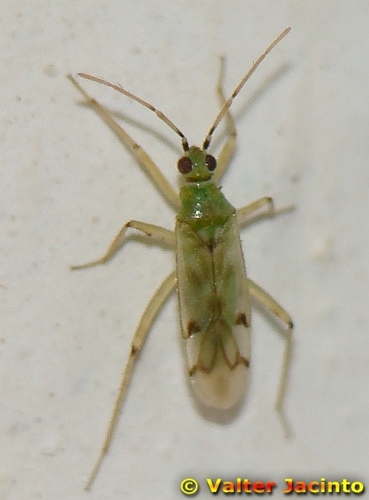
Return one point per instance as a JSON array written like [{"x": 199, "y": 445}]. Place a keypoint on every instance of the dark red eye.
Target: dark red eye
[
  {"x": 211, "y": 163},
  {"x": 184, "y": 165}
]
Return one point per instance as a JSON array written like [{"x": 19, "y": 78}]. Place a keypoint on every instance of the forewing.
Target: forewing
[
  {"x": 215, "y": 313},
  {"x": 194, "y": 280}
]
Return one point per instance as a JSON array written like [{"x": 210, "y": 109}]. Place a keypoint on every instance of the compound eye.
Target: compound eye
[
  {"x": 184, "y": 165},
  {"x": 211, "y": 163}
]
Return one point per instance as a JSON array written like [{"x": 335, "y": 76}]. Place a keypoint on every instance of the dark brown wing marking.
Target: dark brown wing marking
[{"x": 241, "y": 320}]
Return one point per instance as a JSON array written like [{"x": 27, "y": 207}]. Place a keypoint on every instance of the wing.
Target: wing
[{"x": 215, "y": 313}]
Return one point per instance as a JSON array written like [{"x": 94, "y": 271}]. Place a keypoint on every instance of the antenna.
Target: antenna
[
  {"x": 228, "y": 103},
  {"x": 158, "y": 113},
  {"x": 166, "y": 120}
]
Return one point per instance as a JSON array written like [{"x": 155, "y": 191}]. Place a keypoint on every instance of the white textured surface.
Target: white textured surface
[{"x": 67, "y": 186}]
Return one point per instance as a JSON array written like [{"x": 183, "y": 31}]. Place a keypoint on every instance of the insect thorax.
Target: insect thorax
[{"x": 204, "y": 208}]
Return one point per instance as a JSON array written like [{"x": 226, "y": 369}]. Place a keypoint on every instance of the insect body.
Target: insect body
[
  {"x": 213, "y": 289},
  {"x": 212, "y": 285}
]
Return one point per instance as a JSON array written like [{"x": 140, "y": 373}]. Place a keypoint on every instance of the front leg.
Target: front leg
[
  {"x": 230, "y": 145},
  {"x": 148, "y": 165}
]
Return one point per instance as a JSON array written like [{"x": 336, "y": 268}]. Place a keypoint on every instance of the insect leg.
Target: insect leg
[
  {"x": 280, "y": 314},
  {"x": 139, "y": 338},
  {"x": 254, "y": 211},
  {"x": 138, "y": 152},
  {"x": 228, "y": 149},
  {"x": 158, "y": 233}
]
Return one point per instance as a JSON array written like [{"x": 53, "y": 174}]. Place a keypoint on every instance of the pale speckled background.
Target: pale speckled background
[{"x": 67, "y": 186}]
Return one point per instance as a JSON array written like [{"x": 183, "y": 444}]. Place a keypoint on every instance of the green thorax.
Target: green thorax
[{"x": 204, "y": 209}]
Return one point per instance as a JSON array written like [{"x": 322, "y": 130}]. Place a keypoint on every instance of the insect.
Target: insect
[{"x": 213, "y": 289}]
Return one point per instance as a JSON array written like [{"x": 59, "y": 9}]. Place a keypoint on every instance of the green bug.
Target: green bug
[{"x": 213, "y": 289}]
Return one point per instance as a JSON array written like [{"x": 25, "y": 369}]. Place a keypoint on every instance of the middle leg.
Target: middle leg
[
  {"x": 258, "y": 209},
  {"x": 159, "y": 234}
]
